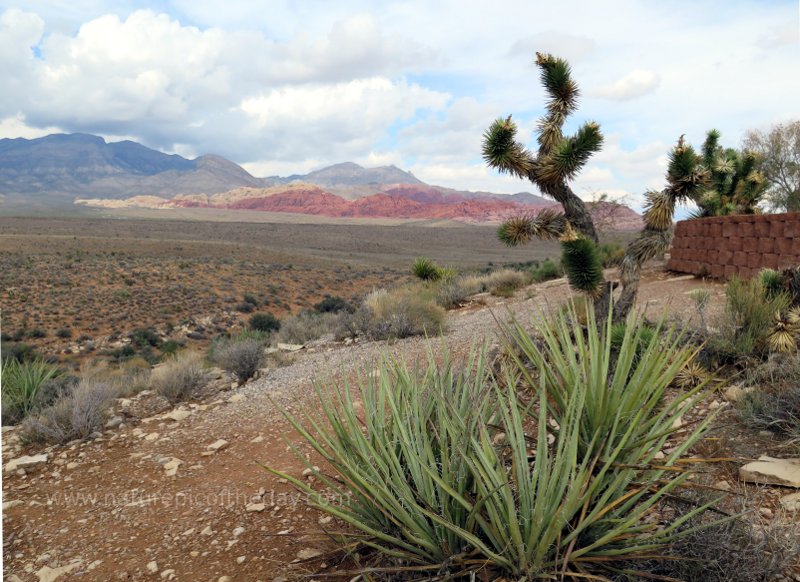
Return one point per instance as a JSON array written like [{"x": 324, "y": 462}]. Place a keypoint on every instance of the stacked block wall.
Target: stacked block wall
[{"x": 722, "y": 246}]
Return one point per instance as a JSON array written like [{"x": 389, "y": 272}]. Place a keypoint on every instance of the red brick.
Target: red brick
[
  {"x": 753, "y": 260},
  {"x": 783, "y": 246},
  {"x": 728, "y": 229},
  {"x": 715, "y": 231},
  {"x": 717, "y": 271},
  {"x": 761, "y": 227},
  {"x": 776, "y": 229},
  {"x": 712, "y": 255},
  {"x": 750, "y": 243},
  {"x": 746, "y": 272},
  {"x": 791, "y": 228},
  {"x": 681, "y": 228},
  {"x": 729, "y": 271},
  {"x": 796, "y": 245},
  {"x": 724, "y": 257},
  {"x": 734, "y": 244},
  {"x": 766, "y": 245},
  {"x": 769, "y": 261},
  {"x": 746, "y": 229},
  {"x": 740, "y": 259},
  {"x": 786, "y": 261}
]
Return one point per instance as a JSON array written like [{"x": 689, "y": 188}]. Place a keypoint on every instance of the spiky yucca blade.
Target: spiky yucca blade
[
  {"x": 648, "y": 245},
  {"x": 782, "y": 337},
  {"x": 503, "y": 152},
  {"x": 659, "y": 208},
  {"x": 547, "y": 225},
  {"x": 582, "y": 265},
  {"x": 685, "y": 173},
  {"x": 710, "y": 147},
  {"x": 571, "y": 154},
  {"x": 691, "y": 375}
]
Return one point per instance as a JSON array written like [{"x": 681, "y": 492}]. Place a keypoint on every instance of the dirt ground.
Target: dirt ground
[{"x": 106, "y": 510}]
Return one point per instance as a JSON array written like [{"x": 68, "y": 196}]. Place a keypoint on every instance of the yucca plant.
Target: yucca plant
[
  {"x": 425, "y": 269},
  {"x": 440, "y": 472},
  {"x": 772, "y": 281},
  {"x": 21, "y": 386},
  {"x": 624, "y": 385}
]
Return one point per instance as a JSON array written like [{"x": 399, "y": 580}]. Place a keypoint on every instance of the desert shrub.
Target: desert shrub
[
  {"x": 451, "y": 293},
  {"x": 505, "y": 280},
  {"x": 73, "y": 416},
  {"x": 265, "y": 322},
  {"x": 333, "y": 304},
  {"x": 547, "y": 271},
  {"x": 772, "y": 282},
  {"x": 728, "y": 551},
  {"x": 64, "y": 333},
  {"x": 425, "y": 269},
  {"x": 37, "y": 333},
  {"x": 169, "y": 347},
  {"x": 473, "y": 284},
  {"x": 179, "y": 378},
  {"x": 21, "y": 386},
  {"x": 245, "y": 307},
  {"x": 446, "y": 481},
  {"x": 251, "y": 299},
  {"x": 775, "y": 408},
  {"x": 398, "y": 314},
  {"x": 242, "y": 356},
  {"x": 144, "y": 337},
  {"x": 307, "y": 326},
  {"x": 747, "y": 320},
  {"x": 19, "y": 351},
  {"x": 611, "y": 254}
]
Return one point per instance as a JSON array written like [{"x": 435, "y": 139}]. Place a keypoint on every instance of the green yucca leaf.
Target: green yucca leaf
[
  {"x": 548, "y": 224},
  {"x": 582, "y": 265},
  {"x": 571, "y": 154},
  {"x": 556, "y": 77}
]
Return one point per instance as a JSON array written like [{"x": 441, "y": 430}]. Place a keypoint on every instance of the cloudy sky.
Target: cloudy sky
[{"x": 288, "y": 86}]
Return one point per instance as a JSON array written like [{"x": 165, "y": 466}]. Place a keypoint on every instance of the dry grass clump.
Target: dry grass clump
[
  {"x": 75, "y": 415},
  {"x": 307, "y": 326},
  {"x": 180, "y": 378},
  {"x": 396, "y": 314},
  {"x": 242, "y": 356},
  {"x": 502, "y": 282}
]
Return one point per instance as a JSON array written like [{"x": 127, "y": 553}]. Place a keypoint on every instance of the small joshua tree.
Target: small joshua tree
[
  {"x": 735, "y": 184},
  {"x": 556, "y": 161}
]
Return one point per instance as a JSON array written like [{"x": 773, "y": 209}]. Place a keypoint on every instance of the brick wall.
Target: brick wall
[{"x": 726, "y": 245}]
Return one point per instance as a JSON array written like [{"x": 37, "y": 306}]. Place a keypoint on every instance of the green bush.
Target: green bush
[
  {"x": 144, "y": 337},
  {"x": 73, "y": 416},
  {"x": 265, "y": 322},
  {"x": 747, "y": 320},
  {"x": 611, "y": 254},
  {"x": 180, "y": 378},
  {"x": 19, "y": 351},
  {"x": 64, "y": 333},
  {"x": 308, "y": 326},
  {"x": 425, "y": 269},
  {"x": 22, "y": 383},
  {"x": 547, "y": 271},
  {"x": 450, "y": 294},
  {"x": 333, "y": 304},
  {"x": 443, "y": 471}
]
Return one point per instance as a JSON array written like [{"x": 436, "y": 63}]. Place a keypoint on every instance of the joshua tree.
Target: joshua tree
[
  {"x": 736, "y": 184},
  {"x": 556, "y": 161}
]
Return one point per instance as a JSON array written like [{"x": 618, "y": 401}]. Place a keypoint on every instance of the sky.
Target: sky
[{"x": 286, "y": 87}]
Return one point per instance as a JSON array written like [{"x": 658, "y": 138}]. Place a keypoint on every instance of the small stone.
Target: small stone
[
  {"x": 224, "y": 578},
  {"x": 48, "y": 574},
  {"x": 736, "y": 393},
  {"x": 290, "y": 347},
  {"x": 791, "y": 502},
  {"x": 714, "y": 404},
  {"x": 240, "y": 559},
  {"x": 152, "y": 567},
  {"x": 177, "y": 415},
  {"x": 659, "y": 456},
  {"x": 255, "y": 507},
  {"x": 237, "y": 398},
  {"x": 207, "y": 531},
  {"x": 766, "y": 512},
  {"x": 151, "y": 437},
  {"x": 722, "y": 485},
  {"x": 308, "y": 553},
  {"x": 217, "y": 445},
  {"x": 25, "y": 462},
  {"x": 325, "y": 519},
  {"x": 11, "y": 504},
  {"x": 171, "y": 467},
  {"x": 72, "y": 465},
  {"x": 238, "y": 531},
  {"x": 310, "y": 471},
  {"x": 258, "y": 439},
  {"x": 168, "y": 574},
  {"x": 114, "y": 422}
]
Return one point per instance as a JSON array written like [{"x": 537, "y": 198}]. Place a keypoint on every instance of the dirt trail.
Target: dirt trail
[{"x": 107, "y": 508}]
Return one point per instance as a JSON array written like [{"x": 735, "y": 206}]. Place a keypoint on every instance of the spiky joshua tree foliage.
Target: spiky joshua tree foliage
[{"x": 555, "y": 162}]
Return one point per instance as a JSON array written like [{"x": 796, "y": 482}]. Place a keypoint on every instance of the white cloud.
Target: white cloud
[
  {"x": 634, "y": 84},
  {"x": 572, "y": 47},
  {"x": 15, "y": 126},
  {"x": 778, "y": 36}
]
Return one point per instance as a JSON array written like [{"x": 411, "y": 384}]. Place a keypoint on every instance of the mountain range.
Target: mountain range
[{"x": 62, "y": 169}]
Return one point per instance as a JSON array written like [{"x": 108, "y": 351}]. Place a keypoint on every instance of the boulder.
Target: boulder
[
  {"x": 25, "y": 462},
  {"x": 770, "y": 471}
]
